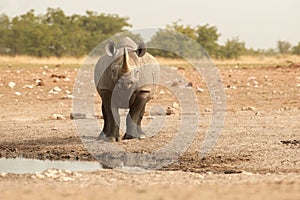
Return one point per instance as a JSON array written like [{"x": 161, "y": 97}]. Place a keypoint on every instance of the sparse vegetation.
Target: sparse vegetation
[{"x": 56, "y": 34}]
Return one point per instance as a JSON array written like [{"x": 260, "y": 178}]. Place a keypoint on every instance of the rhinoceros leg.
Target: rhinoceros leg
[
  {"x": 110, "y": 113},
  {"x": 135, "y": 116}
]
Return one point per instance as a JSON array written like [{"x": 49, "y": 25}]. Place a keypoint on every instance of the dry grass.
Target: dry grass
[
  {"x": 242, "y": 61},
  {"x": 260, "y": 60},
  {"x": 68, "y": 61},
  {"x": 13, "y": 60}
]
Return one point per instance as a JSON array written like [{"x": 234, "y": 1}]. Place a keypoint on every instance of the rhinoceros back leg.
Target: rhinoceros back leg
[
  {"x": 135, "y": 116},
  {"x": 110, "y": 113}
]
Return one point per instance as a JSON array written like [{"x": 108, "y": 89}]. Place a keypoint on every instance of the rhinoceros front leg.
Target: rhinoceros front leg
[
  {"x": 111, "y": 117},
  {"x": 135, "y": 116}
]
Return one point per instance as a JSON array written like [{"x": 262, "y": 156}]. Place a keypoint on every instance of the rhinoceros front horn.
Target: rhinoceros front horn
[
  {"x": 110, "y": 48},
  {"x": 125, "y": 66},
  {"x": 141, "y": 50}
]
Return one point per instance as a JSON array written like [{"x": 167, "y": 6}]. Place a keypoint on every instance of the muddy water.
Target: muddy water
[{"x": 22, "y": 165}]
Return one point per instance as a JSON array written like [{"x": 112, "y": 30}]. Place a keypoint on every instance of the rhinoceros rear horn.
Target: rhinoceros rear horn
[
  {"x": 110, "y": 48},
  {"x": 141, "y": 50}
]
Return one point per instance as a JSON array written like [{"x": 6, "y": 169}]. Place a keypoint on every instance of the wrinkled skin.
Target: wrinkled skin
[{"x": 125, "y": 78}]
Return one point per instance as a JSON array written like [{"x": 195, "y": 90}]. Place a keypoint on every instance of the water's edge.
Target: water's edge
[{"x": 24, "y": 165}]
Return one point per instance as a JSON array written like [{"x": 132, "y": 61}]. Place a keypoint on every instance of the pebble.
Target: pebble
[
  {"x": 201, "y": 176},
  {"x": 247, "y": 173},
  {"x": 66, "y": 179},
  {"x": 170, "y": 110},
  {"x": 77, "y": 116},
  {"x": 28, "y": 86},
  {"x": 3, "y": 174},
  {"x": 68, "y": 97},
  {"x": 200, "y": 89},
  {"x": 12, "y": 84},
  {"x": 39, "y": 82},
  {"x": 39, "y": 175},
  {"x": 189, "y": 84},
  {"x": 58, "y": 117},
  {"x": 18, "y": 93},
  {"x": 207, "y": 110},
  {"x": 209, "y": 173},
  {"x": 54, "y": 90},
  {"x": 248, "y": 108}
]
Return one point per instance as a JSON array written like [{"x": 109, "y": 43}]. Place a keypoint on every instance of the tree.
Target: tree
[
  {"x": 182, "y": 40},
  {"x": 296, "y": 49},
  {"x": 57, "y": 34},
  {"x": 4, "y": 34},
  {"x": 233, "y": 48},
  {"x": 208, "y": 36},
  {"x": 283, "y": 47}
]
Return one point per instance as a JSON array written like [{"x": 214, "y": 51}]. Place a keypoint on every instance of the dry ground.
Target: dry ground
[{"x": 256, "y": 156}]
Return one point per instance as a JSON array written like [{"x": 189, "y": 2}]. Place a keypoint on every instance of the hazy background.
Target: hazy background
[{"x": 259, "y": 23}]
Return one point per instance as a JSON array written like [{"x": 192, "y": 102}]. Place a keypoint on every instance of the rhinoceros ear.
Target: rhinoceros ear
[
  {"x": 110, "y": 48},
  {"x": 141, "y": 50}
]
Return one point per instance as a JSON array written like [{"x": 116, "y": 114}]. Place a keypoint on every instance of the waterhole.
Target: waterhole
[{"x": 23, "y": 165}]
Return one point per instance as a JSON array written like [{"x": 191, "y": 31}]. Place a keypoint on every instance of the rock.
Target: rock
[
  {"x": 54, "y": 90},
  {"x": 170, "y": 110},
  {"x": 247, "y": 173},
  {"x": 3, "y": 174},
  {"x": 11, "y": 85},
  {"x": 69, "y": 96},
  {"x": 77, "y": 116},
  {"x": 66, "y": 179},
  {"x": 189, "y": 84},
  {"x": 175, "y": 105},
  {"x": 209, "y": 173},
  {"x": 67, "y": 79},
  {"x": 231, "y": 87},
  {"x": 58, "y": 117},
  {"x": 39, "y": 82},
  {"x": 77, "y": 174},
  {"x": 207, "y": 110},
  {"x": 201, "y": 176},
  {"x": 18, "y": 93},
  {"x": 232, "y": 171},
  {"x": 249, "y": 108},
  {"x": 58, "y": 76},
  {"x": 39, "y": 175},
  {"x": 200, "y": 89},
  {"x": 28, "y": 86}
]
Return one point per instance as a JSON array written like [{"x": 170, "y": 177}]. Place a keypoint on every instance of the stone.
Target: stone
[
  {"x": 77, "y": 116},
  {"x": 12, "y": 84}
]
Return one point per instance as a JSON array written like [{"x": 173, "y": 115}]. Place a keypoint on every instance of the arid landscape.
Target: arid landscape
[{"x": 255, "y": 157}]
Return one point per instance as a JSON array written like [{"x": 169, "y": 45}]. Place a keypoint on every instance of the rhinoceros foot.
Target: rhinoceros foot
[
  {"x": 129, "y": 136},
  {"x": 103, "y": 137}
]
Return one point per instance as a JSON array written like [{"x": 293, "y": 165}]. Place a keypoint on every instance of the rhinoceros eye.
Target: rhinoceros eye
[{"x": 141, "y": 50}]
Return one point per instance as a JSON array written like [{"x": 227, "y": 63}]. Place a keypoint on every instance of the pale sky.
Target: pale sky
[{"x": 259, "y": 23}]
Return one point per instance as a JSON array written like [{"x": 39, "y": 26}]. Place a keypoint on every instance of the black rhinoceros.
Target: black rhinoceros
[{"x": 125, "y": 78}]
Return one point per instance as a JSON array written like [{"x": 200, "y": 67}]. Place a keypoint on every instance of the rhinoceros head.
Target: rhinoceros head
[{"x": 126, "y": 57}]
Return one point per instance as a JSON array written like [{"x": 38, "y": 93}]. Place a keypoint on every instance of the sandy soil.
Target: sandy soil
[{"x": 256, "y": 156}]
